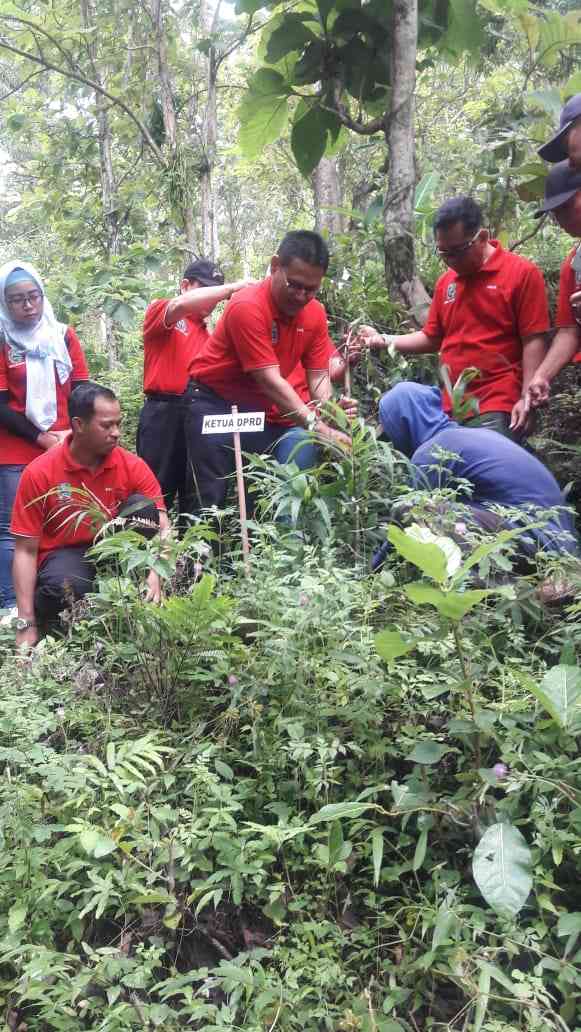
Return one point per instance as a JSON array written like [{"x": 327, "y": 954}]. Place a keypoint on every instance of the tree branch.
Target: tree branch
[
  {"x": 19, "y": 86},
  {"x": 78, "y": 77},
  {"x": 529, "y": 236},
  {"x": 338, "y": 108}
]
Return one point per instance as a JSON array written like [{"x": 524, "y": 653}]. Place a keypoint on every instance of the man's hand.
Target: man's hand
[
  {"x": 349, "y": 406},
  {"x": 153, "y": 589},
  {"x": 368, "y": 337},
  {"x": 538, "y": 390},
  {"x": 333, "y": 436},
  {"x": 48, "y": 439},
  {"x": 520, "y": 415},
  {"x": 29, "y": 637}
]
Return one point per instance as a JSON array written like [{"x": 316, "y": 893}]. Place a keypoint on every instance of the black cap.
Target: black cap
[
  {"x": 561, "y": 184},
  {"x": 556, "y": 148},
  {"x": 205, "y": 273}
]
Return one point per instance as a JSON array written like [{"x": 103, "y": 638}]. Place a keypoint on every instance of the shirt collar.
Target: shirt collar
[{"x": 74, "y": 467}]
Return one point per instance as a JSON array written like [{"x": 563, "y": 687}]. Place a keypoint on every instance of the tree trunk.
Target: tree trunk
[
  {"x": 109, "y": 198},
  {"x": 398, "y": 212},
  {"x": 180, "y": 187},
  {"x": 328, "y": 193},
  {"x": 208, "y": 206}
]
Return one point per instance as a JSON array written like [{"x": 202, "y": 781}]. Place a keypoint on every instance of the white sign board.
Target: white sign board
[{"x": 243, "y": 422}]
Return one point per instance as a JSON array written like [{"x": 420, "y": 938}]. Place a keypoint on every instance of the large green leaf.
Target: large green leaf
[
  {"x": 390, "y": 645},
  {"x": 451, "y": 604},
  {"x": 502, "y": 868},
  {"x": 336, "y": 811},
  {"x": 291, "y": 34},
  {"x": 427, "y": 752},
  {"x": 427, "y": 557},
  {"x": 309, "y": 140},
  {"x": 263, "y": 111},
  {"x": 560, "y": 694},
  {"x": 465, "y": 29}
]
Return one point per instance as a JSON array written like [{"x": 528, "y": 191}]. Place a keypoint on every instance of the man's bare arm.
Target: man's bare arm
[
  {"x": 417, "y": 343},
  {"x": 24, "y": 569},
  {"x": 197, "y": 300},
  {"x": 153, "y": 593},
  {"x": 288, "y": 402},
  {"x": 564, "y": 346}
]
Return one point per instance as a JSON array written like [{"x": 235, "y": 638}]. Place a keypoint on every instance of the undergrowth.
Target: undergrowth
[{"x": 304, "y": 799}]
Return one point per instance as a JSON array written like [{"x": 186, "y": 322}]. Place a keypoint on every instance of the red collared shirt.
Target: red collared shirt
[
  {"x": 54, "y": 490},
  {"x": 253, "y": 334},
  {"x": 569, "y": 283},
  {"x": 483, "y": 319},
  {"x": 169, "y": 350}
]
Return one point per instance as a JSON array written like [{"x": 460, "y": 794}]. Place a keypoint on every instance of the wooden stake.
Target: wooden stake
[{"x": 241, "y": 494}]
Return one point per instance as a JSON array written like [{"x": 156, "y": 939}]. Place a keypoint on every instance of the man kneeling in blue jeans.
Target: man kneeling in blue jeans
[{"x": 500, "y": 472}]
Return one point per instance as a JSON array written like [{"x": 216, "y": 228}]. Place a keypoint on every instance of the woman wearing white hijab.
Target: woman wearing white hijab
[{"x": 41, "y": 361}]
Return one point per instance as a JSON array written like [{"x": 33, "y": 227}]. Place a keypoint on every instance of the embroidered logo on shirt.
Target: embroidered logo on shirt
[
  {"x": 65, "y": 492},
  {"x": 182, "y": 326},
  {"x": 274, "y": 333},
  {"x": 451, "y": 293},
  {"x": 16, "y": 355},
  {"x": 491, "y": 286}
]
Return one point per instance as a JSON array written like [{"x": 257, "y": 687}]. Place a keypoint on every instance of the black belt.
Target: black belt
[{"x": 164, "y": 396}]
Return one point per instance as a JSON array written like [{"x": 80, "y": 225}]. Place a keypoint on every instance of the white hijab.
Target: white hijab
[{"x": 43, "y": 347}]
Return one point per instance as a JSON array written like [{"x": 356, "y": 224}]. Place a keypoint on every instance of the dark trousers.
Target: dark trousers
[
  {"x": 211, "y": 456},
  {"x": 499, "y": 421},
  {"x": 161, "y": 442},
  {"x": 67, "y": 575}
]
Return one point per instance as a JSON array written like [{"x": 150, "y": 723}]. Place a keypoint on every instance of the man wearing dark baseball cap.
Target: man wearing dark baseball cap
[
  {"x": 566, "y": 144},
  {"x": 563, "y": 202},
  {"x": 173, "y": 331}
]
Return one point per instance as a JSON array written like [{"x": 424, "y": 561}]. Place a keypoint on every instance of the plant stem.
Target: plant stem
[{"x": 465, "y": 668}]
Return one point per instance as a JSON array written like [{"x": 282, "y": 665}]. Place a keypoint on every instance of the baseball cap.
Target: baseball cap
[
  {"x": 561, "y": 184},
  {"x": 555, "y": 149},
  {"x": 206, "y": 273}
]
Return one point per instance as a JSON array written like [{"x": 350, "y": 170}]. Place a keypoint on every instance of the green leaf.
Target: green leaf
[
  {"x": 390, "y": 645},
  {"x": 308, "y": 141},
  {"x": 420, "y": 851},
  {"x": 427, "y": 557},
  {"x": 427, "y": 752},
  {"x": 249, "y": 6},
  {"x": 560, "y": 694},
  {"x": 291, "y": 34},
  {"x": 377, "y": 853},
  {"x": 569, "y": 924},
  {"x": 16, "y": 916},
  {"x": 482, "y": 1000},
  {"x": 335, "y": 811},
  {"x": 121, "y": 313},
  {"x": 452, "y": 604},
  {"x": 263, "y": 112},
  {"x": 465, "y": 29},
  {"x": 502, "y": 868}
]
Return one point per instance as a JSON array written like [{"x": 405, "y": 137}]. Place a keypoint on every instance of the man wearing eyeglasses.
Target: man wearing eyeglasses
[
  {"x": 266, "y": 331},
  {"x": 563, "y": 203},
  {"x": 489, "y": 312}
]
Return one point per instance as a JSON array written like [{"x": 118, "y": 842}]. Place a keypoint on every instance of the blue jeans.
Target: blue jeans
[
  {"x": 306, "y": 456},
  {"x": 9, "y": 479}
]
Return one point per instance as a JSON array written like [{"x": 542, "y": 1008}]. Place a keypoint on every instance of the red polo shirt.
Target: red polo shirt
[
  {"x": 16, "y": 450},
  {"x": 169, "y": 350},
  {"x": 482, "y": 320},
  {"x": 253, "y": 334},
  {"x": 298, "y": 380},
  {"x": 54, "y": 489},
  {"x": 569, "y": 283}
]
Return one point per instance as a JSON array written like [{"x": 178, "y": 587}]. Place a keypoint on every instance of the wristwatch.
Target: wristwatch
[{"x": 20, "y": 623}]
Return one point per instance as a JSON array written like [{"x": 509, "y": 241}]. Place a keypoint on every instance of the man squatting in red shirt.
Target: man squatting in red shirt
[
  {"x": 489, "y": 311},
  {"x": 266, "y": 331},
  {"x": 173, "y": 332},
  {"x": 88, "y": 471}
]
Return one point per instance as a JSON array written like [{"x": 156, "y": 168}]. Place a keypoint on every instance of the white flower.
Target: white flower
[{"x": 445, "y": 544}]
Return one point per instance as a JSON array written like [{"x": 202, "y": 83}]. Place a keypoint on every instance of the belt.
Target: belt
[{"x": 164, "y": 396}]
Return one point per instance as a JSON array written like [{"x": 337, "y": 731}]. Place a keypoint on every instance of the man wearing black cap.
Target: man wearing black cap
[
  {"x": 566, "y": 144},
  {"x": 173, "y": 332},
  {"x": 563, "y": 202}
]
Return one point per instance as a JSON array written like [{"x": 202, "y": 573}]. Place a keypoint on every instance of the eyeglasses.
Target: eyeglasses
[
  {"x": 456, "y": 252},
  {"x": 298, "y": 288},
  {"x": 32, "y": 298}
]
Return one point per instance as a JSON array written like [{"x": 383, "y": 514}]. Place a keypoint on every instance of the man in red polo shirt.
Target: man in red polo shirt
[
  {"x": 488, "y": 312},
  {"x": 265, "y": 332},
  {"x": 563, "y": 201},
  {"x": 63, "y": 497},
  {"x": 173, "y": 331}
]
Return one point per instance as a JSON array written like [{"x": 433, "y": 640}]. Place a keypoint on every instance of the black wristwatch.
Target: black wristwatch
[{"x": 20, "y": 623}]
